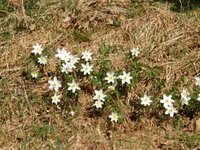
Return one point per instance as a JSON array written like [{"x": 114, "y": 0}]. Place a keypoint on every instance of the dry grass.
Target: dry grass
[{"x": 168, "y": 40}]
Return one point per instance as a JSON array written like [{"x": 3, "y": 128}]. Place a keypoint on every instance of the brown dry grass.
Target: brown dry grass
[{"x": 168, "y": 39}]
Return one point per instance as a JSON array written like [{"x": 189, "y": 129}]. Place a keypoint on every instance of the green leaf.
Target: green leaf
[{"x": 81, "y": 36}]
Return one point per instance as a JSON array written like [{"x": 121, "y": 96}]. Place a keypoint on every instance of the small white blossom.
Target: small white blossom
[
  {"x": 99, "y": 95},
  {"x": 67, "y": 67},
  {"x": 68, "y": 57},
  {"x": 86, "y": 68},
  {"x": 55, "y": 84},
  {"x": 86, "y": 55},
  {"x": 74, "y": 59},
  {"x": 167, "y": 100},
  {"x": 146, "y": 100},
  {"x": 34, "y": 74},
  {"x": 185, "y": 98},
  {"x": 73, "y": 86},
  {"x": 63, "y": 55},
  {"x": 110, "y": 78},
  {"x": 111, "y": 87},
  {"x": 198, "y": 98},
  {"x": 114, "y": 117},
  {"x": 197, "y": 83},
  {"x": 72, "y": 113},
  {"x": 37, "y": 49},
  {"x": 135, "y": 52},
  {"x": 185, "y": 93},
  {"x": 55, "y": 99},
  {"x": 98, "y": 104},
  {"x": 126, "y": 78},
  {"x": 171, "y": 110},
  {"x": 42, "y": 60}
]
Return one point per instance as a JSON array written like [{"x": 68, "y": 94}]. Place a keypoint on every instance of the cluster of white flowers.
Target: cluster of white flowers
[
  {"x": 87, "y": 68},
  {"x": 69, "y": 63},
  {"x": 99, "y": 98},
  {"x": 55, "y": 84},
  {"x": 185, "y": 97},
  {"x": 68, "y": 60},
  {"x": 37, "y": 51},
  {"x": 167, "y": 102}
]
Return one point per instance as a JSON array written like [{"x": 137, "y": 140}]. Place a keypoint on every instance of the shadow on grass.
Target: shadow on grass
[{"x": 182, "y": 5}]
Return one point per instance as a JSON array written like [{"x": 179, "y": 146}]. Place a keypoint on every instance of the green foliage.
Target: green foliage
[
  {"x": 135, "y": 70},
  {"x": 72, "y": 4},
  {"x": 104, "y": 51},
  {"x": 4, "y": 7},
  {"x": 44, "y": 131},
  {"x": 117, "y": 22},
  {"x": 182, "y": 5},
  {"x": 30, "y": 7},
  {"x": 24, "y": 144},
  {"x": 5, "y": 36},
  {"x": 135, "y": 9},
  {"x": 189, "y": 139},
  {"x": 193, "y": 107},
  {"x": 81, "y": 36},
  {"x": 59, "y": 145},
  {"x": 152, "y": 72}
]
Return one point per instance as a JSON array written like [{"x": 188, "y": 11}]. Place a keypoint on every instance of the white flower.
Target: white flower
[
  {"x": 135, "y": 52},
  {"x": 34, "y": 74},
  {"x": 111, "y": 87},
  {"x": 74, "y": 59},
  {"x": 42, "y": 60},
  {"x": 55, "y": 99},
  {"x": 167, "y": 100},
  {"x": 146, "y": 100},
  {"x": 197, "y": 83},
  {"x": 171, "y": 110},
  {"x": 114, "y": 117},
  {"x": 68, "y": 57},
  {"x": 37, "y": 49},
  {"x": 99, "y": 95},
  {"x": 126, "y": 78},
  {"x": 54, "y": 84},
  {"x": 86, "y": 68},
  {"x": 67, "y": 67},
  {"x": 185, "y": 93},
  {"x": 63, "y": 55},
  {"x": 72, "y": 113},
  {"x": 185, "y": 98},
  {"x": 86, "y": 55},
  {"x": 110, "y": 78},
  {"x": 98, "y": 104},
  {"x": 73, "y": 86},
  {"x": 198, "y": 98}
]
